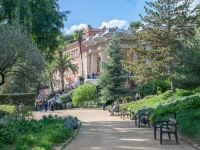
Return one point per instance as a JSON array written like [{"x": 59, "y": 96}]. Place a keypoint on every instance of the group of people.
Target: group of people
[
  {"x": 93, "y": 75},
  {"x": 46, "y": 104}
]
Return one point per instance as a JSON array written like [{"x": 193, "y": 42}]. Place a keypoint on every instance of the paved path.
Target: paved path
[{"x": 100, "y": 131}]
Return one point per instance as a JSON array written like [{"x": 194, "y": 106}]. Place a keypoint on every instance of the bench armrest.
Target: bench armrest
[
  {"x": 167, "y": 124},
  {"x": 160, "y": 121}
]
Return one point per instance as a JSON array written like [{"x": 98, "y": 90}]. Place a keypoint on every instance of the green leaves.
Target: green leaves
[{"x": 85, "y": 92}]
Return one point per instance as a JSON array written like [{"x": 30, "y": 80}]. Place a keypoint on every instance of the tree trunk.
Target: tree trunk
[
  {"x": 2, "y": 79},
  {"x": 62, "y": 81},
  {"x": 81, "y": 58},
  {"x": 51, "y": 85},
  {"x": 172, "y": 85}
]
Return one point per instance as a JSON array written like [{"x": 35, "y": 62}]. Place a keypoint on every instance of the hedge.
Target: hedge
[{"x": 16, "y": 99}]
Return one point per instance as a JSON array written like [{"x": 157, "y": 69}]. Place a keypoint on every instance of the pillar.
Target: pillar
[
  {"x": 148, "y": 47},
  {"x": 135, "y": 57},
  {"x": 94, "y": 62},
  {"x": 103, "y": 59}
]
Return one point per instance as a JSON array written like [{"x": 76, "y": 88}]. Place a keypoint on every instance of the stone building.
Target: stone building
[{"x": 93, "y": 50}]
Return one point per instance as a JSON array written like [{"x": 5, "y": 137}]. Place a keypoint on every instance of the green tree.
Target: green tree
[
  {"x": 133, "y": 26},
  {"x": 85, "y": 92},
  {"x": 63, "y": 63},
  {"x": 111, "y": 80},
  {"x": 41, "y": 18},
  {"x": 18, "y": 55},
  {"x": 188, "y": 68},
  {"x": 78, "y": 35},
  {"x": 168, "y": 20}
]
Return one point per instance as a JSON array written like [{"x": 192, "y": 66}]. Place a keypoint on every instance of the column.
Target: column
[
  {"x": 148, "y": 47},
  {"x": 103, "y": 59},
  {"x": 130, "y": 56},
  {"x": 94, "y": 62},
  {"x": 135, "y": 57}
]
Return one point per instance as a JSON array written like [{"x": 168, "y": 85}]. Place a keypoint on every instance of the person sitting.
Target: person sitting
[
  {"x": 115, "y": 108},
  {"x": 124, "y": 100},
  {"x": 137, "y": 96}
]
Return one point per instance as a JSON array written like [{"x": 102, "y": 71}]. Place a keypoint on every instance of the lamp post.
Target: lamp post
[{"x": 12, "y": 86}]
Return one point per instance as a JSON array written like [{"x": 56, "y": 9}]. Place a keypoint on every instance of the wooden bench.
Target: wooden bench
[
  {"x": 127, "y": 113},
  {"x": 169, "y": 127},
  {"x": 144, "y": 119}
]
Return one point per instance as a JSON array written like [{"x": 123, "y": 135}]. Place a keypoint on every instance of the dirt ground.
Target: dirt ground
[{"x": 100, "y": 131}]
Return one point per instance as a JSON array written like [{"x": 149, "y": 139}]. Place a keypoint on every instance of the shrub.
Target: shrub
[
  {"x": 10, "y": 109},
  {"x": 85, "y": 92},
  {"x": 70, "y": 105},
  {"x": 16, "y": 99},
  {"x": 67, "y": 97}
]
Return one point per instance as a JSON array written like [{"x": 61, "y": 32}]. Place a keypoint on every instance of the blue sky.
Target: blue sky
[{"x": 99, "y": 13}]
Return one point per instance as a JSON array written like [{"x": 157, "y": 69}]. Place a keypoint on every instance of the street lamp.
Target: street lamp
[{"x": 12, "y": 86}]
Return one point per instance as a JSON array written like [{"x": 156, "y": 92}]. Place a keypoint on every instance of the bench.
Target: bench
[
  {"x": 127, "y": 113},
  {"x": 116, "y": 110},
  {"x": 169, "y": 127},
  {"x": 143, "y": 118}
]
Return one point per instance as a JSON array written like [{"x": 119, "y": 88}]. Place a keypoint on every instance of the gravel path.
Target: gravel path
[{"x": 100, "y": 131}]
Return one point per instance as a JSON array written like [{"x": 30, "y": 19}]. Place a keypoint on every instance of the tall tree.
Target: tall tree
[
  {"x": 18, "y": 54},
  {"x": 41, "y": 18},
  {"x": 111, "y": 80},
  {"x": 188, "y": 69},
  {"x": 78, "y": 35},
  {"x": 63, "y": 63},
  {"x": 133, "y": 26},
  {"x": 168, "y": 19}
]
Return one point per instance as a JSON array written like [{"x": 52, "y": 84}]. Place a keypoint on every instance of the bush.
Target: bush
[
  {"x": 85, "y": 92},
  {"x": 67, "y": 97},
  {"x": 10, "y": 109},
  {"x": 153, "y": 87},
  {"x": 70, "y": 105},
  {"x": 16, "y": 99}
]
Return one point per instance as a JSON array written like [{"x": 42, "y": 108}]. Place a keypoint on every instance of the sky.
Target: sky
[{"x": 100, "y": 13}]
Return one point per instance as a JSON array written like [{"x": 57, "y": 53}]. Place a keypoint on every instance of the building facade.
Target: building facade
[{"x": 93, "y": 50}]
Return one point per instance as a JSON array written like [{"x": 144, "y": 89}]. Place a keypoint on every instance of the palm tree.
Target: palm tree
[
  {"x": 63, "y": 63},
  {"x": 78, "y": 35}
]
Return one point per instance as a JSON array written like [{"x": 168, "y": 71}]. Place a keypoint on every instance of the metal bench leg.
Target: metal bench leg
[
  {"x": 139, "y": 123},
  {"x": 176, "y": 136},
  {"x": 169, "y": 136},
  {"x": 155, "y": 128},
  {"x": 161, "y": 137}
]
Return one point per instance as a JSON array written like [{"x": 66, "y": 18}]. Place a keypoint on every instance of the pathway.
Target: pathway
[{"x": 100, "y": 131}]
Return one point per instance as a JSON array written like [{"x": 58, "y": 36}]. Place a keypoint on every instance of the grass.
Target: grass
[{"x": 50, "y": 135}]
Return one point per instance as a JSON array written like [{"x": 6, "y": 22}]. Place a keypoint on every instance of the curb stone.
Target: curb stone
[{"x": 195, "y": 145}]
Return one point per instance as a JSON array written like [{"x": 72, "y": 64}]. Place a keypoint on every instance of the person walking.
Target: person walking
[
  {"x": 45, "y": 104},
  {"x": 52, "y": 104},
  {"x": 40, "y": 103}
]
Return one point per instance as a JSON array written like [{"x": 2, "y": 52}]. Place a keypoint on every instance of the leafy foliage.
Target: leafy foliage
[
  {"x": 42, "y": 19},
  {"x": 64, "y": 63},
  {"x": 167, "y": 21},
  {"x": 188, "y": 68},
  {"x": 67, "y": 97},
  {"x": 18, "y": 56},
  {"x": 85, "y": 92},
  {"x": 26, "y": 99},
  {"x": 111, "y": 80},
  {"x": 133, "y": 26}
]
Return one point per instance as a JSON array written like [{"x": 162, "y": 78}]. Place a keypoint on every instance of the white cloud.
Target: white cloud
[
  {"x": 195, "y": 3},
  {"x": 113, "y": 23},
  {"x": 75, "y": 27}
]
